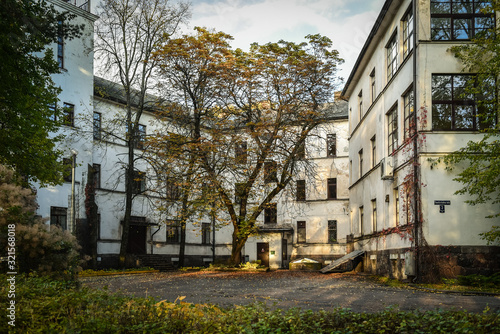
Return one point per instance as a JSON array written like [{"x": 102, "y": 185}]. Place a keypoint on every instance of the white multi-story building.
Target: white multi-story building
[
  {"x": 404, "y": 111},
  {"x": 76, "y": 61},
  {"x": 309, "y": 219}
]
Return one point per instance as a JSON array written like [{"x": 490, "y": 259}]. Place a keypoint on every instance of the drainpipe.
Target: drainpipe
[
  {"x": 72, "y": 227},
  {"x": 152, "y": 235},
  {"x": 416, "y": 176}
]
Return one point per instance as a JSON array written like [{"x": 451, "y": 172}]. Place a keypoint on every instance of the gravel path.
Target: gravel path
[{"x": 287, "y": 289}]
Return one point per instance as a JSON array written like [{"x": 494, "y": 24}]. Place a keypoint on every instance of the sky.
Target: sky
[{"x": 346, "y": 22}]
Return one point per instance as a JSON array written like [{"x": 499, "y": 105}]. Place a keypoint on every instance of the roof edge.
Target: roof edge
[{"x": 373, "y": 32}]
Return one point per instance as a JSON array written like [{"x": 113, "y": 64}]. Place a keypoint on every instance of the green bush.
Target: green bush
[
  {"x": 480, "y": 280},
  {"x": 48, "y": 306}
]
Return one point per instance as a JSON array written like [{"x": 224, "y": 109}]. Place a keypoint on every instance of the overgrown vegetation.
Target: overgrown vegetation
[
  {"x": 466, "y": 283},
  {"x": 44, "y": 305}
]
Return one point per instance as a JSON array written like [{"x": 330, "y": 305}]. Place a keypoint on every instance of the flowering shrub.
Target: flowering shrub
[{"x": 39, "y": 247}]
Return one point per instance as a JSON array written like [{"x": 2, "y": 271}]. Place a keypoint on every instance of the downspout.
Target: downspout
[
  {"x": 416, "y": 192},
  {"x": 151, "y": 238}
]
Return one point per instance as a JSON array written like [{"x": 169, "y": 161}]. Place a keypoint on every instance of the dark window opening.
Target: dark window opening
[
  {"x": 332, "y": 188},
  {"x": 58, "y": 217},
  {"x": 138, "y": 182},
  {"x": 270, "y": 172},
  {"x": 172, "y": 189},
  {"x": 270, "y": 213},
  {"x": 301, "y": 190},
  {"x": 240, "y": 152},
  {"x": 68, "y": 114},
  {"x": 332, "y": 231},
  {"x": 173, "y": 232},
  {"x": 205, "y": 233},
  {"x": 239, "y": 189}
]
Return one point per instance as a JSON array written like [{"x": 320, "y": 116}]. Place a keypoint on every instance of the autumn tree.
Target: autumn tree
[
  {"x": 127, "y": 34},
  {"x": 258, "y": 109},
  {"x": 27, "y": 90},
  {"x": 190, "y": 76},
  {"x": 481, "y": 177}
]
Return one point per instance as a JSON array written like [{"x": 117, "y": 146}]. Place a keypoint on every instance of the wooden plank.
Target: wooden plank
[{"x": 346, "y": 258}]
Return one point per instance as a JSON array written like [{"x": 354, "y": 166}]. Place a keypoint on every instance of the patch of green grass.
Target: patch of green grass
[
  {"x": 47, "y": 306},
  {"x": 469, "y": 283}
]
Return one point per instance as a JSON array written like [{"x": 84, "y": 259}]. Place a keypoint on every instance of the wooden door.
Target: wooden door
[
  {"x": 137, "y": 239},
  {"x": 263, "y": 253}
]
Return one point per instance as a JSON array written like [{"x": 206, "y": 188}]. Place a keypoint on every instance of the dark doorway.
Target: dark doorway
[
  {"x": 263, "y": 253},
  {"x": 284, "y": 253},
  {"x": 137, "y": 239}
]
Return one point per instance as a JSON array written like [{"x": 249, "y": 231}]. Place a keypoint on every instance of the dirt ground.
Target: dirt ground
[{"x": 286, "y": 289}]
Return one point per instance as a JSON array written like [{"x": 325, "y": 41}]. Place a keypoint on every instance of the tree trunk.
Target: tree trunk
[
  {"x": 91, "y": 209},
  {"x": 238, "y": 244},
  {"x": 129, "y": 185}
]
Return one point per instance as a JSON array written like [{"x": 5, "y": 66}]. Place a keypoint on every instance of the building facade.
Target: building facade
[
  {"x": 76, "y": 61},
  {"x": 308, "y": 219},
  {"x": 405, "y": 112}
]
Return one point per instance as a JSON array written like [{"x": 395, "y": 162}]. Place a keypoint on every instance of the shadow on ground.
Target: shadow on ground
[{"x": 286, "y": 289}]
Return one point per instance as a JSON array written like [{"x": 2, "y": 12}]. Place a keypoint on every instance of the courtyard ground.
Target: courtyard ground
[{"x": 286, "y": 289}]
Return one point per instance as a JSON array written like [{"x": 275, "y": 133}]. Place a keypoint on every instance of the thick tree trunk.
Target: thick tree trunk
[{"x": 238, "y": 244}]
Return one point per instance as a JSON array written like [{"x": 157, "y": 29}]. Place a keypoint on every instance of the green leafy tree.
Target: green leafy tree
[
  {"x": 27, "y": 90},
  {"x": 481, "y": 176}
]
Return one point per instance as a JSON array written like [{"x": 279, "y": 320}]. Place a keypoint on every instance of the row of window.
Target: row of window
[
  {"x": 174, "y": 232},
  {"x": 67, "y": 114},
  {"x": 396, "y": 212},
  {"x": 392, "y": 57},
  {"x": 302, "y": 231},
  {"x": 58, "y": 217},
  {"x": 300, "y": 189},
  {"x": 97, "y": 131},
  {"x": 450, "y": 20},
  {"x": 241, "y": 150}
]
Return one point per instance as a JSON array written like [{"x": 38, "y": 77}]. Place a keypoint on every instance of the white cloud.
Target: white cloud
[{"x": 346, "y": 22}]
